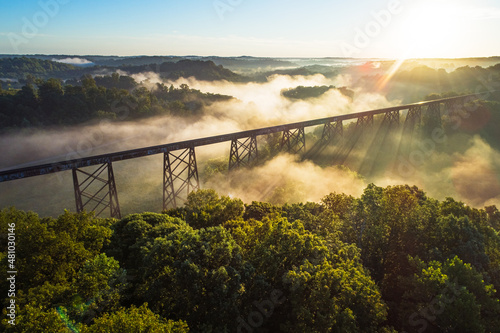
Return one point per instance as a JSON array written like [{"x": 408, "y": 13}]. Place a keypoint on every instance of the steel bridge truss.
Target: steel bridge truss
[
  {"x": 293, "y": 141},
  {"x": 97, "y": 191},
  {"x": 455, "y": 108},
  {"x": 332, "y": 130},
  {"x": 243, "y": 153},
  {"x": 391, "y": 119},
  {"x": 180, "y": 174},
  {"x": 413, "y": 116},
  {"x": 364, "y": 122},
  {"x": 434, "y": 113}
]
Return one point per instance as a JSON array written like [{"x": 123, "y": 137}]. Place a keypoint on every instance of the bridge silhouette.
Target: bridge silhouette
[{"x": 96, "y": 190}]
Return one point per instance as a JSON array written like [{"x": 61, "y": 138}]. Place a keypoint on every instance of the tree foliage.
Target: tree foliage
[
  {"x": 115, "y": 97},
  {"x": 391, "y": 260},
  {"x": 302, "y": 92}
]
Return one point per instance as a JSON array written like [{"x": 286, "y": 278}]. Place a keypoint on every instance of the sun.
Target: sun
[{"x": 430, "y": 29}]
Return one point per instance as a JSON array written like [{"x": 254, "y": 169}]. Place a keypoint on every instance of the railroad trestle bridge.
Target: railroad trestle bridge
[{"x": 97, "y": 191}]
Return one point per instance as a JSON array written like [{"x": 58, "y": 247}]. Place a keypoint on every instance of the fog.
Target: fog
[
  {"x": 255, "y": 105},
  {"x": 286, "y": 179},
  {"x": 469, "y": 174},
  {"x": 74, "y": 61},
  {"x": 475, "y": 174},
  {"x": 262, "y": 104}
]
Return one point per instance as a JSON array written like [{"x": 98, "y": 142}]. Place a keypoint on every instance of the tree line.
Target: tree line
[
  {"x": 20, "y": 67},
  {"x": 50, "y": 102}
]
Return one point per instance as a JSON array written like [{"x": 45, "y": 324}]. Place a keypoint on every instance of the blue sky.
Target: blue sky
[{"x": 279, "y": 28}]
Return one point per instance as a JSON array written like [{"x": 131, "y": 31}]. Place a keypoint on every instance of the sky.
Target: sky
[{"x": 263, "y": 28}]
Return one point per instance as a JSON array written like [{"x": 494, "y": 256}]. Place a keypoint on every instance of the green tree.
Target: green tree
[
  {"x": 51, "y": 253},
  {"x": 195, "y": 275},
  {"x": 493, "y": 217},
  {"x": 88, "y": 82},
  {"x": 51, "y": 94},
  {"x": 39, "y": 319},
  {"x": 75, "y": 104},
  {"x": 134, "y": 320},
  {"x": 259, "y": 210},
  {"x": 98, "y": 287},
  {"x": 54, "y": 249},
  {"x": 339, "y": 203},
  {"x": 321, "y": 281},
  {"x": 331, "y": 296},
  {"x": 450, "y": 296},
  {"x": 27, "y": 97},
  {"x": 178, "y": 108},
  {"x": 204, "y": 208}
]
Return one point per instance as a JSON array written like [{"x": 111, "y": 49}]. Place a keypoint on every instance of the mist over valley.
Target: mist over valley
[{"x": 200, "y": 99}]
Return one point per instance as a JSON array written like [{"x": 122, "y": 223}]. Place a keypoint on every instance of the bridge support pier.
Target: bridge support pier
[
  {"x": 293, "y": 140},
  {"x": 97, "y": 190},
  {"x": 243, "y": 153},
  {"x": 452, "y": 106},
  {"x": 413, "y": 116},
  {"x": 332, "y": 130},
  {"x": 455, "y": 108},
  {"x": 391, "y": 119},
  {"x": 434, "y": 114},
  {"x": 180, "y": 173},
  {"x": 364, "y": 122}
]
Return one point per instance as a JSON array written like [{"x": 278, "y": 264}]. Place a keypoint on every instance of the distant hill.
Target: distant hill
[
  {"x": 201, "y": 70},
  {"x": 16, "y": 68},
  {"x": 327, "y": 71},
  {"x": 302, "y": 92},
  {"x": 131, "y": 61}
]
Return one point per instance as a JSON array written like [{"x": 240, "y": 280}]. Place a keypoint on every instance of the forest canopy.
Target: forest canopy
[{"x": 391, "y": 260}]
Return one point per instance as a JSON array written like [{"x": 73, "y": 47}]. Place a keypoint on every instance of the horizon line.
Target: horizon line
[{"x": 245, "y": 56}]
